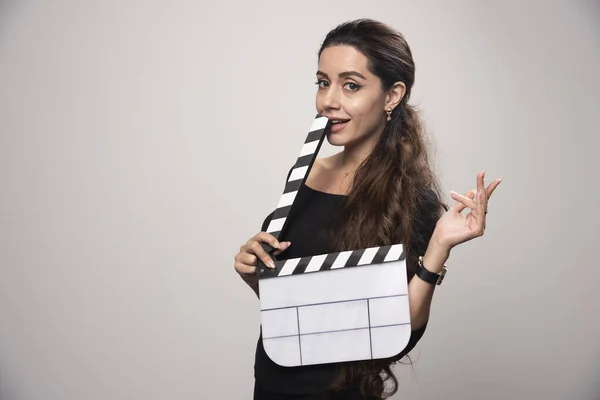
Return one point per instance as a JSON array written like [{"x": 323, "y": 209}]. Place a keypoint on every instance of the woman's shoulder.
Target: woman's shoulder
[
  {"x": 319, "y": 177},
  {"x": 320, "y": 167},
  {"x": 431, "y": 203}
]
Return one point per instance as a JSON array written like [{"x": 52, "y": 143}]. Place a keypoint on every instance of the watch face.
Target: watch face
[{"x": 442, "y": 275}]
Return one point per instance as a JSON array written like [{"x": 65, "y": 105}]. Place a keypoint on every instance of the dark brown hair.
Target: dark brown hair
[{"x": 395, "y": 196}]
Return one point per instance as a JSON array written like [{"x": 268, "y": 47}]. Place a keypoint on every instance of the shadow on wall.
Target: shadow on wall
[{"x": 7, "y": 391}]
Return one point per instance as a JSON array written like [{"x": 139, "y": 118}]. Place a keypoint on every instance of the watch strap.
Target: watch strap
[{"x": 428, "y": 276}]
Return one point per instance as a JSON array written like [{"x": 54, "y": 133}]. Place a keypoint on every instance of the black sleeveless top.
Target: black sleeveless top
[{"x": 308, "y": 220}]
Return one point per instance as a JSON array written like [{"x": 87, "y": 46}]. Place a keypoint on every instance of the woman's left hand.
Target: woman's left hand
[{"x": 454, "y": 227}]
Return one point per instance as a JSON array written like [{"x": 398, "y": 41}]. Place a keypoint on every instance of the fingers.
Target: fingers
[
  {"x": 480, "y": 214},
  {"x": 463, "y": 201},
  {"x": 244, "y": 269},
  {"x": 284, "y": 246},
  {"x": 244, "y": 262},
  {"x": 267, "y": 238},
  {"x": 247, "y": 259},
  {"x": 255, "y": 250},
  {"x": 481, "y": 193},
  {"x": 492, "y": 186},
  {"x": 481, "y": 203},
  {"x": 487, "y": 192},
  {"x": 470, "y": 199}
]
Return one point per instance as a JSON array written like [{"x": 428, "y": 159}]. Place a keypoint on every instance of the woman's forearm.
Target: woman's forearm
[
  {"x": 420, "y": 293},
  {"x": 253, "y": 283}
]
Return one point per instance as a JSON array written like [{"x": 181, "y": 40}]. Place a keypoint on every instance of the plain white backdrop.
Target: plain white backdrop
[{"x": 142, "y": 142}]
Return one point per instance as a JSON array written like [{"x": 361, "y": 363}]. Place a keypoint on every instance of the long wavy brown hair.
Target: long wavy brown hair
[{"x": 395, "y": 194}]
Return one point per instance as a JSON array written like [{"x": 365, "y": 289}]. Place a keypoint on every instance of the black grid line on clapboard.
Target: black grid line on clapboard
[
  {"x": 338, "y": 260},
  {"x": 362, "y": 328},
  {"x": 369, "y": 319},
  {"x": 299, "y": 339},
  {"x": 299, "y": 173},
  {"x": 336, "y": 331}
]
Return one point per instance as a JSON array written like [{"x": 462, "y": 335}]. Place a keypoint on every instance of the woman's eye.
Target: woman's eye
[
  {"x": 321, "y": 83},
  {"x": 352, "y": 86}
]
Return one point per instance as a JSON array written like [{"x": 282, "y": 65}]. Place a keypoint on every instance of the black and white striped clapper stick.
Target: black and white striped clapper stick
[
  {"x": 331, "y": 261},
  {"x": 299, "y": 173}
]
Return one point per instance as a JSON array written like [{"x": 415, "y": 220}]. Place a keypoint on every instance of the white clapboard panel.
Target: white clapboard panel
[{"x": 345, "y": 306}]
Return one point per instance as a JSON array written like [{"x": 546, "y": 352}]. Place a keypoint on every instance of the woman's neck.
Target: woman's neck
[{"x": 352, "y": 156}]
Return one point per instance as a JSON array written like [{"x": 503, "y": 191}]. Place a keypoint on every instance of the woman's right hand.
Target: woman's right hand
[{"x": 247, "y": 259}]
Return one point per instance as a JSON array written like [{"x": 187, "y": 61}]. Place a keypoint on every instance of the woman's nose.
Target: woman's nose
[{"x": 331, "y": 99}]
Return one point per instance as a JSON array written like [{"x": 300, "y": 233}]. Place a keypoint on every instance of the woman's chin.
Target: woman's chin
[{"x": 336, "y": 139}]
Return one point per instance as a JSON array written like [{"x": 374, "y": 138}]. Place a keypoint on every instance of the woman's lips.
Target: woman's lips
[{"x": 336, "y": 127}]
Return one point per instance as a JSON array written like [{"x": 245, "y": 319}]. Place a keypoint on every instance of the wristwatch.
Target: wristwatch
[{"x": 428, "y": 276}]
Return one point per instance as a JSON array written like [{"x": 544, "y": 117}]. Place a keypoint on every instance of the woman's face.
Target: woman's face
[{"x": 348, "y": 92}]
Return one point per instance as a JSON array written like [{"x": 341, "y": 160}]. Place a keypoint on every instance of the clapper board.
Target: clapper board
[{"x": 346, "y": 306}]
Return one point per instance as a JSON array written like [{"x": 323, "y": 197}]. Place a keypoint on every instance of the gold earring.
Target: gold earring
[{"x": 389, "y": 114}]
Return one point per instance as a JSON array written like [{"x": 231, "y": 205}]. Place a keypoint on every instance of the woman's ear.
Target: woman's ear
[{"x": 395, "y": 95}]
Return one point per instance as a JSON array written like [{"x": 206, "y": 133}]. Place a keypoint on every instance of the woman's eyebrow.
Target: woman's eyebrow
[{"x": 344, "y": 74}]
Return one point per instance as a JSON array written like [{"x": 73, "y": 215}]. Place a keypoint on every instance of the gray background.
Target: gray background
[{"x": 142, "y": 142}]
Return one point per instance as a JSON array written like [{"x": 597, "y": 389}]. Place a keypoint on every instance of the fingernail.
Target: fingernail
[
  {"x": 276, "y": 245},
  {"x": 500, "y": 180},
  {"x": 271, "y": 264}
]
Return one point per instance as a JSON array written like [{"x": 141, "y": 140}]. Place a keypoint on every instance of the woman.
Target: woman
[{"x": 379, "y": 190}]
